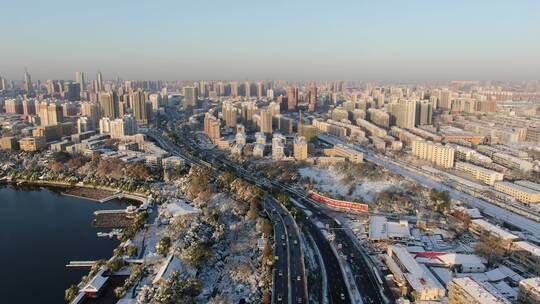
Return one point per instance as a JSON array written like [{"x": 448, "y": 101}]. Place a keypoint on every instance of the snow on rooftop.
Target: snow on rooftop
[
  {"x": 482, "y": 293},
  {"x": 171, "y": 263},
  {"x": 381, "y": 229},
  {"x": 531, "y": 248},
  {"x": 418, "y": 275},
  {"x": 96, "y": 283},
  {"x": 461, "y": 259},
  {"x": 531, "y": 283},
  {"x": 501, "y": 233}
]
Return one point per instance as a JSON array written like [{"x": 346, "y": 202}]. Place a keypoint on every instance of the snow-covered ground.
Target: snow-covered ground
[{"x": 328, "y": 180}]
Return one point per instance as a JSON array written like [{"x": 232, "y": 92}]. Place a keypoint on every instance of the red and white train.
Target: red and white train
[{"x": 337, "y": 203}]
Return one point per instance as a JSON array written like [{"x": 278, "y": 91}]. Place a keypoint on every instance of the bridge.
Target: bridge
[
  {"x": 80, "y": 264},
  {"x": 145, "y": 201}
]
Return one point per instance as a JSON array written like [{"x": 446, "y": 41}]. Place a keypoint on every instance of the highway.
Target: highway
[
  {"x": 289, "y": 274},
  {"x": 366, "y": 281},
  {"x": 280, "y": 275}
]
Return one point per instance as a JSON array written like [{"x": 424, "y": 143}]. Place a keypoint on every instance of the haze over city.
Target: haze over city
[{"x": 400, "y": 41}]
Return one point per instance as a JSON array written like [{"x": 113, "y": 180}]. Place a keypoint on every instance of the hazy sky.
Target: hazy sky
[{"x": 203, "y": 39}]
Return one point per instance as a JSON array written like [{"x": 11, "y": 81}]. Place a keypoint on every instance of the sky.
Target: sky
[{"x": 386, "y": 40}]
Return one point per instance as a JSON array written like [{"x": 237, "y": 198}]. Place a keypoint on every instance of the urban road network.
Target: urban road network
[{"x": 350, "y": 277}]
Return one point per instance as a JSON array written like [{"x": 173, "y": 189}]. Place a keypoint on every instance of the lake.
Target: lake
[{"x": 40, "y": 232}]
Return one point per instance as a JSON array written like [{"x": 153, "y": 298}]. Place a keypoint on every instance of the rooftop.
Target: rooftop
[
  {"x": 520, "y": 188},
  {"x": 531, "y": 248},
  {"x": 479, "y": 292},
  {"x": 503, "y": 234},
  {"x": 531, "y": 283}
]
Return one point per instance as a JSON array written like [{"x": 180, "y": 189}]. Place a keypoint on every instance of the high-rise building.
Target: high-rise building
[
  {"x": 83, "y": 124},
  {"x": 486, "y": 106},
  {"x": 212, "y": 127},
  {"x": 278, "y": 146},
  {"x": 445, "y": 103},
  {"x": 56, "y": 113},
  {"x": 234, "y": 89},
  {"x": 27, "y": 81},
  {"x": 3, "y": 84},
  {"x": 91, "y": 110},
  {"x": 50, "y": 113},
  {"x": 14, "y": 106},
  {"x": 99, "y": 82},
  {"x": 260, "y": 89},
  {"x": 141, "y": 109},
  {"x": 265, "y": 123},
  {"x": 29, "y": 107},
  {"x": 105, "y": 125},
  {"x": 300, "y": 148},
  {"x": 247, "y": 89},
  {"x": 438, "y": 154},
  {"x": 404, "y": 113},
  {"x": 292, "y": 98},
  {"x": 424, "y": 112},
  {"x": 282, "y": 123},
  {"x": 229, "y": 114},
  {"x": 191, "y": 97},
  {"x": 248, "y": 109},
  {"x": 72, "y": 91},
  {"x": 124, "y": 126},
  {"x": 70, "y": 109},
  {"x": 79, "y": 78},
  {"x": 109, "y": 104},
  {"x": 312, "y": 98}
]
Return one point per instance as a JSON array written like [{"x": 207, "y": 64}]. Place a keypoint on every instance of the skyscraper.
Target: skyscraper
[
  {"x": 300, "y": 148},
  {"x": 312, "y": 98},
  {"x": 109, "y": 104},
  {"x": 83, "y": 124},
  {"x": 79, "y": 78},
  {"x": 27, "y": 81},
  {"x": 247, "y": 89},
  {"x": 3, "y": 84},
  {"x": 424, "y": 111},
  {"x": 99, "y": 82},
  {"x": 234, "y": 89},
  {"x": 229, "y": 114},
  {"x": 292, "y": 98},
  {"x": 404, "y": 113},
  {"x": 445, "y": 103},
  {"x": 91, "y": 110},
  {"x": 212, "y": 127},
  {"x": 50, "y": 114},
  {"x": 29, "y": 107},
  {"x": 139, "y": 107},
  {"x": 72, "y": 91},
  {"x": 265, "y": 123},
  {"x": 248, "y": 109},
  {"x": 191, "y": 97},
  {"x": 260, "y": 89}
]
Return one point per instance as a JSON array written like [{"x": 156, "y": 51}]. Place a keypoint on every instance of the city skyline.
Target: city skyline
[{"x": 392, "y": 41}]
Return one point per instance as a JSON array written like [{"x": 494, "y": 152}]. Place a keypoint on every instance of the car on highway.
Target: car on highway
[
  {"x": 280, "y": 273},
  {"x": 342, "y": 297},
  {"x": 283, "y": 236},
  {"x": 299, "y": 300},
  {"x": 298, "y": 278},
  {"x": 295, "y": 242},
  {"x": 279, "y": 298}
]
